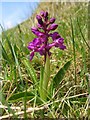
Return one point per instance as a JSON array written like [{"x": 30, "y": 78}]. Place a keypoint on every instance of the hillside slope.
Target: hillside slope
[{"x": 61, "y": 11}]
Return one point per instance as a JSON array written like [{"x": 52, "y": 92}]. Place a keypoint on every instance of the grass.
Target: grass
[{"x": 69, "y": 90}]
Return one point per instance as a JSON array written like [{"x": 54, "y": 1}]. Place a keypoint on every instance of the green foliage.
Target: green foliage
[
  {"x": 61, "y": 73},
  {"x": 4, "y": 54}
]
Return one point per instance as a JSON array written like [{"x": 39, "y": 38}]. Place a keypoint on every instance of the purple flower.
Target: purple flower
[
  {"x": 41, "y": 50},
  {"x": 55, "y": 35},
  {"x": 41, "y": 43},
  {"x": 34, "y": 29},
  {"x": 39, "y": 26},
  {"x": 59, "y": 43}
]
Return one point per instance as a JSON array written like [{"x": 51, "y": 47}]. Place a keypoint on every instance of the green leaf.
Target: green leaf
[
  {"x": 4, "y": 53},
  {"x": 31, "y": 71},
  {"x": 60, "y": 75},
  {"x": 21, "y": 95}
]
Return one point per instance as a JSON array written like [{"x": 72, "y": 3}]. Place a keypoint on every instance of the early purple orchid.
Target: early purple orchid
[
  {"x": 44, "y": 31},
  {"x": 41, "y": 44}
]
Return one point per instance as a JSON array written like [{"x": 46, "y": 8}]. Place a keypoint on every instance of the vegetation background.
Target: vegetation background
[{"x": 19, "y": 94}]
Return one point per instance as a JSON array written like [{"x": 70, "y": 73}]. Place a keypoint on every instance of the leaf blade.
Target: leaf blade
[{"x": 60, "y": 75}]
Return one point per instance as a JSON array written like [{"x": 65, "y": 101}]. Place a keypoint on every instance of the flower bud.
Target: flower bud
[
  {"x": 52, "y": 20},
  {"x": 42, "y": 13},
  {"x": 53, "y": 27},
  {"x": 39, "y": 19},
  {"x": 46, "y": 16},
  {"x": 36, "y": 32}
]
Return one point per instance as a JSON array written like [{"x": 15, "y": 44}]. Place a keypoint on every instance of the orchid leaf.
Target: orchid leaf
[{"x": 61, "y": 73}]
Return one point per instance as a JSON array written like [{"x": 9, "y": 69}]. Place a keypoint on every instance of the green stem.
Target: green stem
[{"x": 46, "y": 77}]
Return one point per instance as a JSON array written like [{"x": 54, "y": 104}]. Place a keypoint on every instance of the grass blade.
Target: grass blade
[{"x": 74, "y": 50}]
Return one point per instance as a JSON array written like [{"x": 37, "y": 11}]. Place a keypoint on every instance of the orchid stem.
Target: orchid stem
[{"x": 46, "y": 78}]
